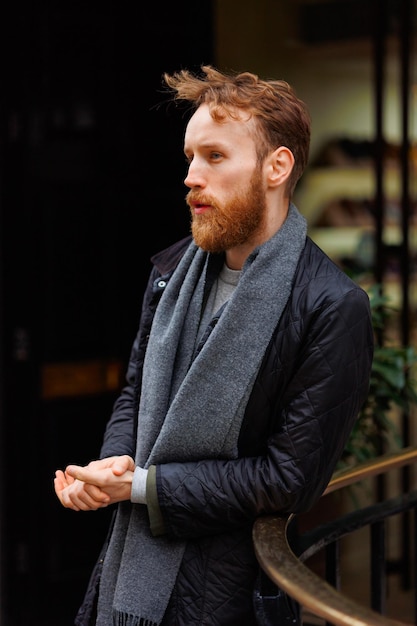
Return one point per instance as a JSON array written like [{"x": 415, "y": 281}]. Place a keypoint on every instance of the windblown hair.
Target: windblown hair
[{"x": 282, "y": 119}]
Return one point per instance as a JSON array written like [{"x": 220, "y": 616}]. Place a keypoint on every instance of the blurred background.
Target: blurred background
[{"x": 91, "y": 185}]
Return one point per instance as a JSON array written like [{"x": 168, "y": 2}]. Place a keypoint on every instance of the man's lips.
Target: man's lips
[{"x": 200, "y": 208}]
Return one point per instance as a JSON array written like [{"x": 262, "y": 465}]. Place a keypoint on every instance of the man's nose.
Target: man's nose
[{"x": 194, "y": 176}]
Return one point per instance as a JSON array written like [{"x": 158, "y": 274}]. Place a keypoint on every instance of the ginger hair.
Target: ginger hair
[{"x": 281, "y": 118}]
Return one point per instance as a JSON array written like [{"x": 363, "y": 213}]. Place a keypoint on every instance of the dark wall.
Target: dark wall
[{"x": 91, "y": 172}]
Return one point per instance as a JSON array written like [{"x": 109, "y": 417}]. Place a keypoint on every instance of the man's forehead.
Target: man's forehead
[{"x": 202, "y": 123}]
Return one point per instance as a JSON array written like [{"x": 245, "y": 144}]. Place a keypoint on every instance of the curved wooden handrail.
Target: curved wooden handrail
[
  {"x": 291, "y": 575},
  {"x": 374, "y": 467}
]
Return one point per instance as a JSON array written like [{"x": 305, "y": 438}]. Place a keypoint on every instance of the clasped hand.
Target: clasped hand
[{"x": 96, "y": 485}]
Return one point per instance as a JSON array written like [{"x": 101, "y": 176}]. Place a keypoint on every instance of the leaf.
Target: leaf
[{"x": 392, "y": 387}]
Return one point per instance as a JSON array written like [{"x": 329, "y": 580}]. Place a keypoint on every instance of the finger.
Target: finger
[
  {"x": 73, "y": 470},
  {"x": 83, "y": 473},
  {"x": 59, "y": 481},
  {"x": 123, "y": 464},
  {"x": 85, "y": 502},
  {"x": 96, "y": 494},
  {"x": 59, "y": 485},
  {"x": 67, "y": 501},
  {"x": 76, "y": 497},
  {"x": 101, "y": 463}
]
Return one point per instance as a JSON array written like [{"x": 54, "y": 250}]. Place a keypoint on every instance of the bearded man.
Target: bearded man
[{"x": 250, "y": 366}]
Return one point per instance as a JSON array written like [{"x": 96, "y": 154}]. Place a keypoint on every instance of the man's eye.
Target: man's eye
[{"x": 215, "y": 156}]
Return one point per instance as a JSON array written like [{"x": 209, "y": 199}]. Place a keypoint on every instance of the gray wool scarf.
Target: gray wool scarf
[{"x": 191, "y": 407}]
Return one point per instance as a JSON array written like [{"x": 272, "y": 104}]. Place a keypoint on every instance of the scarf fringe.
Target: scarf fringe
[{"x": 126, "y": 619}]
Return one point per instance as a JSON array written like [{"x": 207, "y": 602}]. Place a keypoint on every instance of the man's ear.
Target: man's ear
[{"x": 280, "y": 164}]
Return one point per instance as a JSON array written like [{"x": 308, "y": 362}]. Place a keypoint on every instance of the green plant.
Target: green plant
[{"x": 392, "y": 388}]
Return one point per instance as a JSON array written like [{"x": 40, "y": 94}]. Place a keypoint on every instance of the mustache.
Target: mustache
[{"x": 195, "y": 197}]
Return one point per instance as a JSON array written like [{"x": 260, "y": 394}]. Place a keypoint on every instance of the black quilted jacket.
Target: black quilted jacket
[{"x": 312, "y": 383}]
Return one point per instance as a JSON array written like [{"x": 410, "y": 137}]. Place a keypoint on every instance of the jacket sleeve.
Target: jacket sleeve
[
  {"x": 120, "y": 433},
  {"x": 329, "y": 359}
]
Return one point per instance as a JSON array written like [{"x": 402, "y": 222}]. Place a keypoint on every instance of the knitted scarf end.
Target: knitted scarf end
[{"x": 125, "y": 619}]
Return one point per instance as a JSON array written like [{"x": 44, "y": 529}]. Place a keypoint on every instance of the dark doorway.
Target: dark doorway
[{"x": 91, "y": 172}]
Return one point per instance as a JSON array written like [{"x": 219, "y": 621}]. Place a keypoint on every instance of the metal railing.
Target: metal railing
[{"x": 282, "y": 552}]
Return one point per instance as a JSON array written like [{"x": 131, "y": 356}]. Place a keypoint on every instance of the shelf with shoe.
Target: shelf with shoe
[{"x": 336, "y": 195}]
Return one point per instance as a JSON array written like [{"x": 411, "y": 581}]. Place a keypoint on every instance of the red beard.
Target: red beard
[{"x": 223, "y": 227}]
